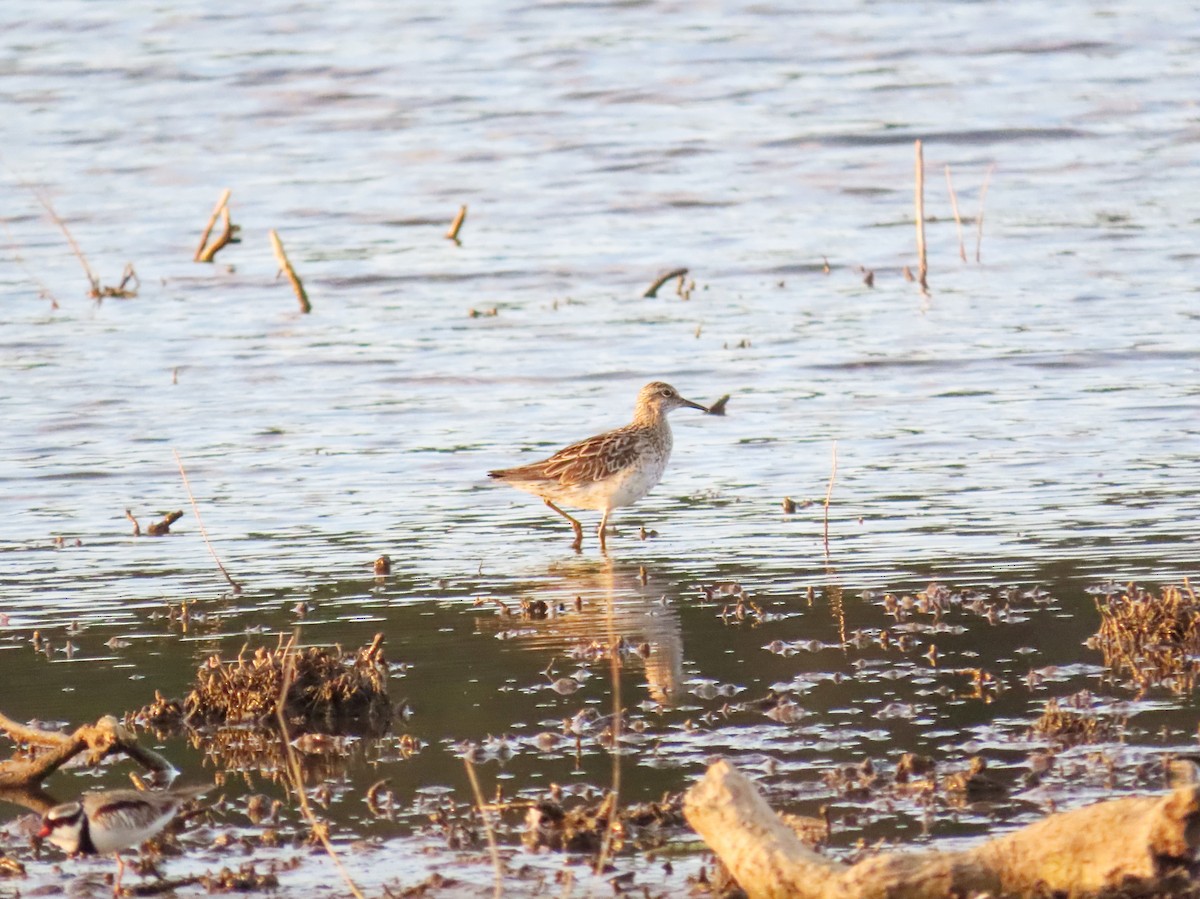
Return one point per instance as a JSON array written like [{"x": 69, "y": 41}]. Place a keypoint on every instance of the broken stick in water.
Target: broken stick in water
[
  {"x": 652, "y": 290},
  {"x": 212, "y": 220},
  {"x": 919, "y": 197},
  {"x": 982, "y": 197},
  {"x": 962, "y": 250},
  {"x": 128, "y": 287},
  {"x": 237, "y": 588},
  {"x": 206, "y": 251},
  {"x": 829, "y": 496},
  {"x": 456, "y": 225},
  {"x": 163, "y": 526},
  {"x": 158, "y": 528},
  {"x": 285, "y": 266}
]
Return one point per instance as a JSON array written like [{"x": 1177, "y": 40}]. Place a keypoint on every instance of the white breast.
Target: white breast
[
  {"x": 622, "y": 489},
  {"x": 122, "y": 830}
]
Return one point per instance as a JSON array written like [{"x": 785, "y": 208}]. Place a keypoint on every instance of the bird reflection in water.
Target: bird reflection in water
[{"x": 569, "y": 614}]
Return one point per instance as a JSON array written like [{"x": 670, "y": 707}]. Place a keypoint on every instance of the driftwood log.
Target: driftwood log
[
  {"x": 1128, "y": 847},
  {"x": 50, "y": 750}
]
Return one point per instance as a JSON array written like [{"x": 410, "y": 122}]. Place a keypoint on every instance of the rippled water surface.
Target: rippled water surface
[{"x": 1030, "y": 422}]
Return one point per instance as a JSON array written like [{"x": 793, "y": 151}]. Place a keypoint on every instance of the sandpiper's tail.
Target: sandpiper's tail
[{"x": 524, "y": 473}]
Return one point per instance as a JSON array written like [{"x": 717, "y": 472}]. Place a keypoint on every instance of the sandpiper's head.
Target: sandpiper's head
[
  {"x": 657, "y": 399},
  {"x": 63, "y": 826}
]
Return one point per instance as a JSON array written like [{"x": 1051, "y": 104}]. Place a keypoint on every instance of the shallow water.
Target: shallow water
[{"x": 1029, "y": 422}]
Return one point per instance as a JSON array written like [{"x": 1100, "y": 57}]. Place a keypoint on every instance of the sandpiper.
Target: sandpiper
[
  {"x": 610, "y": 470},
  {"x": 112, "y": 820}
]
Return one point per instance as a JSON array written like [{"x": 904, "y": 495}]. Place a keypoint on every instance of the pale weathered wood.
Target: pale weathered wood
[
  {"x": 760, "y": 851},
  {"x": 99, "y": 740},
  {"x": 1134, "y": 844}
]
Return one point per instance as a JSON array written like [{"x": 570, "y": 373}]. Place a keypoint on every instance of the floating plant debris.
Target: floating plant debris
[
  {"x": 330, "y": 690},
  {"x": 1151, "y": 640},
  {"x": 1076, "y": 723}
]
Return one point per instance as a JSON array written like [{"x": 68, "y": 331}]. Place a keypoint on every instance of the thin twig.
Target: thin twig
[
  {"x": 54, "y": 216},
  {"x": 568, "y": 883},
  {"x": 227, "y": 236},
  {"x": 123, "y": 290},
  {"x": 919, "y": 198},
  {"x": 614, "y": 656},
  {"x": 237, "y": 588},
  {"x": 829, "y": 495},
  {"x": 286, "y": 267},
  {"x": 962, "y": 250},
  {"x": 652, "y": 290},
  {"x": 43, "y": 290},
  {"x": 96, "y": 291},
  {"x": 497, "y": 864},
  {"x": 982, "y": 198},
  {"x": 203, "y": 254},
  {"x": 320, "y": 830},
  {"x": 456, "y": 225}
]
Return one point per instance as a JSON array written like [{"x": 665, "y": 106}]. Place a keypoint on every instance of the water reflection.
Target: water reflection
[{"x": 592, "y": 603}]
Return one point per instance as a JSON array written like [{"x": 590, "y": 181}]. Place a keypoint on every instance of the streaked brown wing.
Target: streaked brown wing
[{"x": 588, "y": 460}]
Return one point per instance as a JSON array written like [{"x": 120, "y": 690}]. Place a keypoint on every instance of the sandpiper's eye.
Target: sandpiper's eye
[{"x": 667, "y": 392}]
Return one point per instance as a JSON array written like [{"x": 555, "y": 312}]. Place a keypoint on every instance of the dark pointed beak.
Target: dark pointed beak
[{"x": 694, "y": 405}]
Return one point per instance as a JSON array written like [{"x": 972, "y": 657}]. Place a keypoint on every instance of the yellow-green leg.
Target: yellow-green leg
[
  {"x": 603, "y": 527},
  {"x": 578, "y": 544}
]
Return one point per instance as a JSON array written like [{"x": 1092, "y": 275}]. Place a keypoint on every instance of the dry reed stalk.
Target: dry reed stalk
[
  {"x": 497, "y": 864},
  {"x": 652, "y": 290},
  {"x": 614, "y": 658},
  {"x": 568, "y": 884},
  {"x": 96, "y": 290},
  {"x": 982, "y": 198},
  {"x": 204, "y": 253},
  {"x": 838, "y": 606},
  {"x": 456, "y": 225},
  {"x": 919, "y": 199},
  {"x": 296, "y": 778},
  {"x": 962, "y": 250},
  {"x": 829, "y": 495},
  {"x": 285, "y": 266},
  {"x": 43, "y": 290},
  {"x": 237, "y": 588},
  {"x": 93, "y": 281}
]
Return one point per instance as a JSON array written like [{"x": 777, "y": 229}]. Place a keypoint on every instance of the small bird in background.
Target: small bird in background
[
  {"x": 610, "y": 470},
  {"x": 111, "y": 820}
]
